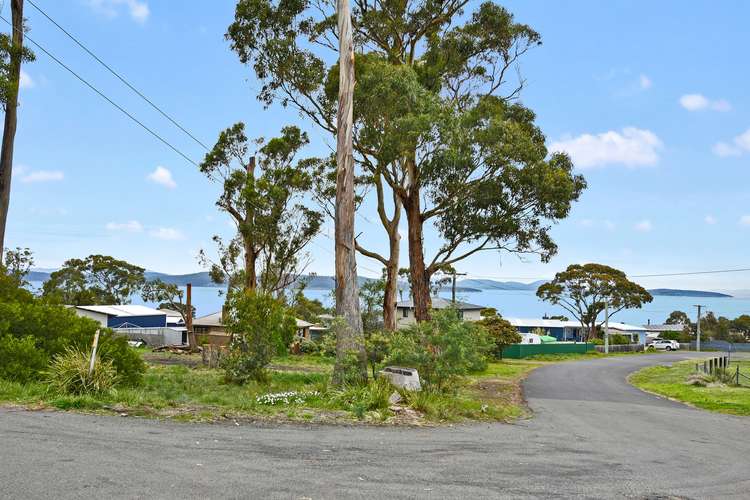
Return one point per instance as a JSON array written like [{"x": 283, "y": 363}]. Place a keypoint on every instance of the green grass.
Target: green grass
[
  {"x": 670, "y": 382},
  {"x": 201, "y": 394}
]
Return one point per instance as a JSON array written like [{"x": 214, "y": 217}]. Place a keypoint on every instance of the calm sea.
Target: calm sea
[{"x": 522, "y": 304}]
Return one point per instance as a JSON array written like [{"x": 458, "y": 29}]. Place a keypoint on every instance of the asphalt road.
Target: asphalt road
[{"x": 592, "y": 436}]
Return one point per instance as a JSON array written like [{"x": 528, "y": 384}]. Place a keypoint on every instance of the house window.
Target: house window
[
  {"x": 200, "y": 329},
  {"x": 405, "y": 312}
]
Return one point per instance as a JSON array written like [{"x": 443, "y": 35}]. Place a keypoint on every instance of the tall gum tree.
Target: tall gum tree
[
  {"x": 467, "y": 157},
  {"x": 263, "y": 195}
]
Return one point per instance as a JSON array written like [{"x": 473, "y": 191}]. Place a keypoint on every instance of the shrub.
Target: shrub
[
  {"x": 307, "y": 346},
  {"x": 442, "y": 349},
  {"x": 54, "y": 329},
  {"x": 69, "y": 373},
  {"x": 20, "y": 360},
  {"x": 328, "y": 344},
  {"x": 261, "y": 327},
  {"x": 360, "y": 399},
  {"x": 378, "y": 346},
  {"x": 500, "y": 331}
]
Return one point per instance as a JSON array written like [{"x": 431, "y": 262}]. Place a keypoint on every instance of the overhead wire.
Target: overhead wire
[{"x": 118, "y": 75}]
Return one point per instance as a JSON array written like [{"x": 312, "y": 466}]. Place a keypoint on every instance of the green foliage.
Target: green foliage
[
  {"x": 169, "y": 294},
  {"x": 442, "y": 349},
  {"x": 500, "y": 331},
  {"x": 306, "y": 309},
  {"x": 261, "y": 327},
  {"x": 307, "y": 346},
  {"x": 54, "y": 329},
  {"x": 371, "y": 296},
  {"x": 360, "y": 399},
  {"x": 21, "y": 360},
  {"x": 678, "y": 318},
  {"x": 327, "y": 344},
  {"x": 97, "y": 279},
  {"x": 16, "y": 264},
  {"x": 433, "y": 104},
  {"x": 263, "y": 195},
  {"x": 69, "y": 373},
  {"x": 8, "y": 83},
  {"x": 378, "y": 346},
  {"x": 582, "y": 290}
]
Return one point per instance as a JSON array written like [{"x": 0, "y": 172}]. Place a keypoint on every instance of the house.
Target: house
[
  {"x": 562, "y": 330},
  {"x": 212, "y": 328},
  {"x": 571, "y": 330},
  {"x": 135, "y": 322},
  {"x": 405, "y": 310},
  {"x": 124, "y": 316}
]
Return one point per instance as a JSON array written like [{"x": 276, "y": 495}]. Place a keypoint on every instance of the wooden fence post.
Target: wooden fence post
[{"x": 93, "y": 353}]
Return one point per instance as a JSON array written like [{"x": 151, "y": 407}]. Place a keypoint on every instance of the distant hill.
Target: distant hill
[
  {"x": 319, "y": 282},
  {"x": 670, "y": 292},
  {"x": 499, "y": 285}
]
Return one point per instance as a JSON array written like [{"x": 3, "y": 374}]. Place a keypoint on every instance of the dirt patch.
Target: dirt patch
[{"x": 171, "y": 359}]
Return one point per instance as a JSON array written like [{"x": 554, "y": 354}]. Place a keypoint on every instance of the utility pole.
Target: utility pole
[
  {"x": 11, "y": 110},
  {"x": 606, "y": 327},
  {"x": 453, "y": 286},
  {"x": 698, "y": 330},
  {"x": 188, "y": 314},
  {"x": 349, "y": 334}
]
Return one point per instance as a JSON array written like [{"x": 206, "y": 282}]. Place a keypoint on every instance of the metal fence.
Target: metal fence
[
  {"x": 622, "y": 348},
  {"x": 152, "y": 336}
]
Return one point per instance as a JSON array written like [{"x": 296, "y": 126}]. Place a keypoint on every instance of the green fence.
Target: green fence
[{"x": 517, "y": 351}]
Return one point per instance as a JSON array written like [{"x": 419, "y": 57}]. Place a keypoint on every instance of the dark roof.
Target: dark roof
[
  {"x": 441, "y": 303},
  {"x": 665, "y": 328}
]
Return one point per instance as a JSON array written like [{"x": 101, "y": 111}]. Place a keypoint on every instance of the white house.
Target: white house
[
  {"x": 405, "y": 310},
  {"x": 135, "y": 322}
]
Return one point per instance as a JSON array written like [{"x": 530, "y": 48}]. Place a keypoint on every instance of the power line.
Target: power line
[
  {"x": 118, "y": 75},
  {"x": 661, "y": 275},
  {"x": 103, "y": 96}
]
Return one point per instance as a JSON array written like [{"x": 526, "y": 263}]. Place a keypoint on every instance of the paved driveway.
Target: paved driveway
[{"x": 592, "y": 436}]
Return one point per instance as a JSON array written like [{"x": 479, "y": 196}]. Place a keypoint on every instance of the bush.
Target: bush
[
  {"x": 360, "y": 399},
  {"x": 378, "y": 346},
  {"x": 55, "y": 329},
  {"x": 327, "y": 344},
  {"x": 69, "y": 374},
  {"x": 261, "y": 327},
  {"x": 500, "y": 331},
  {"x": 307, "y": 346},
  {"x": 21, "y": 360},
  {"x": 442, "y": 349}
]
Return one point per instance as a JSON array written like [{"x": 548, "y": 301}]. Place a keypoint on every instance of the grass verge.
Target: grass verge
[
  {"x": 671, "y": 382},
  {"x": 297, "y": 390}
]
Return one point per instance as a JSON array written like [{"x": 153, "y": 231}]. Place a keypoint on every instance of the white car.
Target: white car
[{"x": 667, "y": 345}]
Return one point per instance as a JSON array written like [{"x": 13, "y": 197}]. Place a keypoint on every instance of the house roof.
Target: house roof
[
  {"x": 215, "y": 320},
  {"x": 124, "y": 310},
  {"x": 664, "y": 328},
  {"x": 209, "y": 320},
  {"x": 441, "y": 303}
]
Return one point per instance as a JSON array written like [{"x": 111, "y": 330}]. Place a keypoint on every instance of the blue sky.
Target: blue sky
[{"x": 649, "y": 98}]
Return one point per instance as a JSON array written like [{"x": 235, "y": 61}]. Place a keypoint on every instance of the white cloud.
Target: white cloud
[
  {"x": 645, "y": 82},
  {"x": 738, "y": 146},
  {"x": 26, "y": 82},
  {"x": 745, "y": 220},
  {"x": 632, "y": 147},
  {"x": 41, "y": 176},
  {"x": 167, "y": 233},
  {"x": 138, "y": 10},
  {"x": 699, "y": 102},
  {"x": 710, "y": 219},
  {"x": 644, "y": 226},
  {"x": 163, "y": 176},
  {"x": 586, "y": 223},
  {"x": 131, "y": 226}
]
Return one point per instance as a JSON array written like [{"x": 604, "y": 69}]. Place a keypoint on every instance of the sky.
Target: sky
[{"x": 648, "y": 98}]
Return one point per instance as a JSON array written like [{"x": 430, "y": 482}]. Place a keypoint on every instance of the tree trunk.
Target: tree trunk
[
  {"x": 11, "y": 109},
  {"x": 390, "y": 296},
  {"x": 420, "y": 279},
  {"x": 349, "y": 338},
  {"x": 251, "y": 278}
]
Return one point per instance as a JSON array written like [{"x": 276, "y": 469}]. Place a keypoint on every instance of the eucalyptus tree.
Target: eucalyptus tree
[
  {"x": 436, "y": 118},
  {"x": 584, "y": 290},
  {"x": 263, "y": 195}
]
